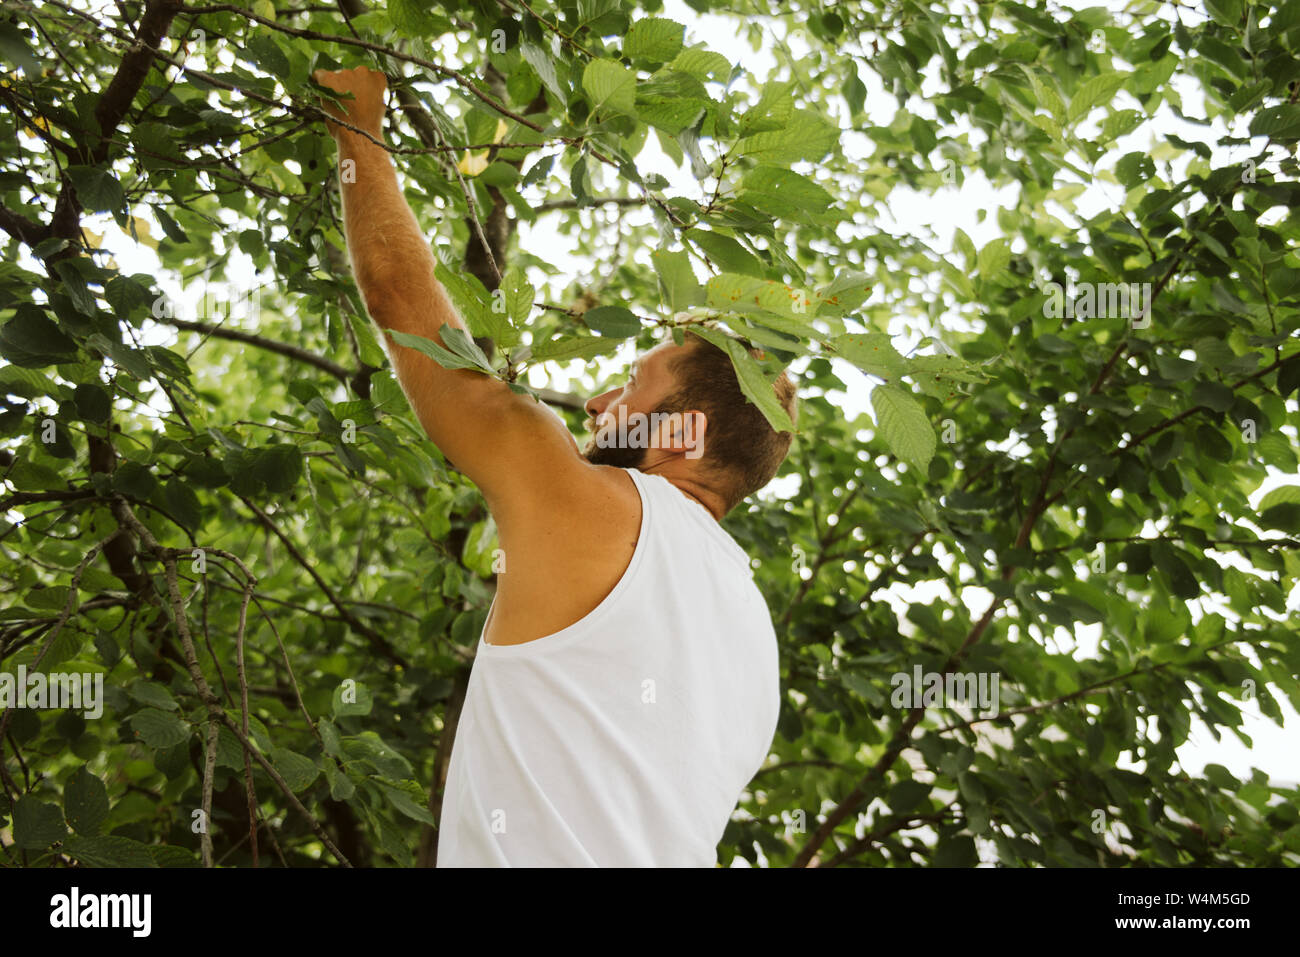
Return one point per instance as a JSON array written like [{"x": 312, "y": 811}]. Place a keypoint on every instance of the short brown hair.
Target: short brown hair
[{"x": 741, "y": 448}]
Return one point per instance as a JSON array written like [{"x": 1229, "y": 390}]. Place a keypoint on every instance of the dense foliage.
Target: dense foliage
[{"x": 281, "y": 581}]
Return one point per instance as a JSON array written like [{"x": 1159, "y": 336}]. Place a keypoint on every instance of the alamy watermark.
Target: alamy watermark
[
  {"x": 79, "y": 691},
  {"x": 939, "y": 689},
  {"x": 219, "y": 302},
  {"x": 75, "y": 909},
  {"x": 639, "y": 430},
  {"x": 1099, "y": 300}
]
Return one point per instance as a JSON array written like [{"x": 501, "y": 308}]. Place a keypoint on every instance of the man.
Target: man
[{"x": 625, "y": 687}]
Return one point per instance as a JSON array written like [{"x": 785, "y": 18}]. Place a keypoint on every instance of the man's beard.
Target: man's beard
[
  {"x": 615, "y": 454},
  {"x": 618, "y": 456}
]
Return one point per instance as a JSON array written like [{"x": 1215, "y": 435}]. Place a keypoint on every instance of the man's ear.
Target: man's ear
[
  {"x": 679, "y": 432},
  {"x": 692, "y": 427}
]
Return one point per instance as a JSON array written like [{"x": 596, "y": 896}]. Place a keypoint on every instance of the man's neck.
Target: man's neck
[{"x": 693, "y": 490}]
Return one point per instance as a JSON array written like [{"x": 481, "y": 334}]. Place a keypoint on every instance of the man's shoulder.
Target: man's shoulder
[{"x": 586, "y": 507}]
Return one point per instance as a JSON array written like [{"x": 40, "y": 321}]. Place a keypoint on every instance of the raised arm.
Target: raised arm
[{"x": 506, "y": 443}]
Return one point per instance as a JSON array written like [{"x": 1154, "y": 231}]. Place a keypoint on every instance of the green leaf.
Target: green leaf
[
  {"x": 545, "y": 68},
  {"x": 109, "y": 851},
  {"x": 945, "y": 365},
  {"x": 808, "y": 136},
  {"x": 444, "y": 357},
  {"x": 758, "y": 332},
  {"x": 1212, "y": 395},
  {"x": 264, "y": 52},
  {"x": 359, "y": 702},
  {"x": 341, "y": 787},
  {"x": 32, "y": 339},
  {"x": 1182, "y": 579},
  {"x": 844, "y": 294},
  {"x": 181, "y": 501},
  {"x": 500, "y": 175},
  {"x": 956, "y": 851},
  {"x": 475, "y": 307},
  {"x": 993, "y": 259},
  {"x": 673, "y": 115},
  {"x": 48, "y": 597},
  {"x": 371, "y": 352},
  {"x": 27, "y": 383},
  {"x": 786, "y": 195},
  {"x": 1094, "y": 91},
  {"x": 615, "y": 322},
  {"x": 655, "y": 39},
  {"x": 132, "y": 478},
  {"x": 904, "y": 425},
  {"x": 702, "y": 64},
  {"x": 1227, "y": 12},
  {"x": 677, "y": 280},
  {"x": 854, "y": 90},
  {"x": 1046, "y": 94},
  {"x": 689, "y": 140},
  {"x": 97, "y": 188},
  {"x": 167, "y": 855},
  {"x": 1176, "y": 368},
  {"x": 230, "y": 752},
  {"x": 872, "y": 352},
  {"x": 972, "y": 791},
  {"x": 278, "y": 467},
  {"x": 519, "y": 295},
  {"x": 460, "y": 343},
  {"x": 1282, "y": 495},
  {"x": 728, "y": 292},
  {"x": 1288, "y": 377},
  {"x": 773, "y": 111},
  {"x": 610, "y": 85},
  {"x": 413, "y": 18},
  {"x": 298, "y": 771},
  {"x": 757, "y": 387},
  {"x": 404, "y": 803},
  {"x": 159, "y": 729},
  {"x": 330, "y": 739},
  {"x": 1277, "y": 122},
  {"x": 153, "y": 695},
  {"x": 369, "y": 747},
  {"x": 938, "y": 375},
  {"x": 574, "y": 347},
  {"x": 727, "y": 253},
  {"x": 170, "y": 226},
  {"x": 1285, "y": 517},
  {"x": 36, "y": 824},
  {"x": 93, "y": 403},
  {"x": 1221, "y": 777},
  {"x": 1210, "y": 441},
  {"x": 907, "y": 795},
  {"x": 85, "y": 802}
]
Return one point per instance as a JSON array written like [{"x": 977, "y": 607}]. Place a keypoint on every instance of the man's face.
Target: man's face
[{"x": 649, "y": 382}]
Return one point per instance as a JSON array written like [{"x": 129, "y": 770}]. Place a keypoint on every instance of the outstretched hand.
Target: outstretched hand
[{"x": 366, "y": 110}]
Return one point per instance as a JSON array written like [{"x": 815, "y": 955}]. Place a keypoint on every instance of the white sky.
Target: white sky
[{"x": 934, "y": 217}]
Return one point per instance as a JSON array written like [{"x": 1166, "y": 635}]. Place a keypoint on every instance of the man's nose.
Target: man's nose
[{"x": 597, "y": 404}]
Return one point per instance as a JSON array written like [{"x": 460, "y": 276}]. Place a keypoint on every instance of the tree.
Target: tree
[{"x": 281, "y": 581}]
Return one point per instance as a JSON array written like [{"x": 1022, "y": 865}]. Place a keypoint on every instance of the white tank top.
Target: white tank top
[{"x": 625, "y": 739}]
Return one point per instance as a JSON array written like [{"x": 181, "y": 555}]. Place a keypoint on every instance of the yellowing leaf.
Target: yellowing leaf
[
  {"x": 142, "y": 232},
  {"x": 472, "y": 164}
]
